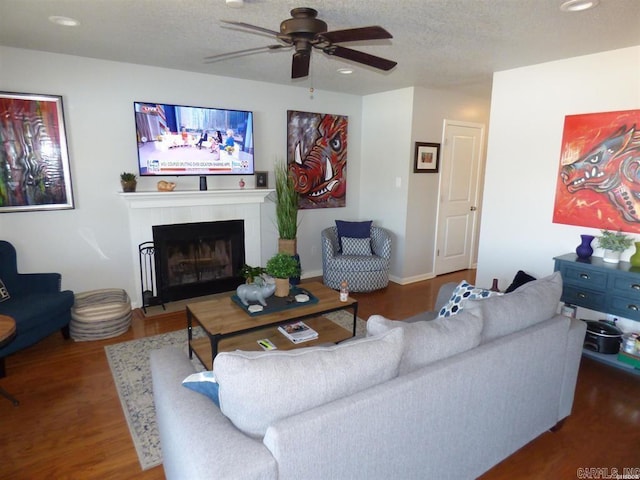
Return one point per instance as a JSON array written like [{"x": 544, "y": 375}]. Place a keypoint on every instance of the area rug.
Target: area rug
[{"x": 129, "y": 363}]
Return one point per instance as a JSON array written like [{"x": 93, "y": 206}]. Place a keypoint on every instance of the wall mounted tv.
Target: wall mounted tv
[{"x": 182, "y": 140}]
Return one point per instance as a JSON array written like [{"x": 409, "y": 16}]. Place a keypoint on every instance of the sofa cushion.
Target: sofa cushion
[
  {"x": 204, "y": 383},
  {"x": 4, "y": 293},
  {"x": 428, "y": 341},
  {"x": 463, "y": 292},
  {"x": 357, "y": 263},
  {"x": 532, "y": 303},
  {"x": 520, "y": 279},
  {"x": 353, "y": 230},
  {"x": 259, "y": 388},
  {"x": 356, "y": 246}
]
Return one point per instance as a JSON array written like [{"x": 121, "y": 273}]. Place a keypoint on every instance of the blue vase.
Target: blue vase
[{"x": 584, "y": 250}]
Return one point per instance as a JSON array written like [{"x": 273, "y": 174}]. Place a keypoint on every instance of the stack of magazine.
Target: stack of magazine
[{"x": 298, "y": 332}]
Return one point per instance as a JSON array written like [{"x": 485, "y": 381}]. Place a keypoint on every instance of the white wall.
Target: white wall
[
  {"x": 391, "y": 194},
  {"x": 90, "y": 245},
  {"x": 527, "y": 117}
]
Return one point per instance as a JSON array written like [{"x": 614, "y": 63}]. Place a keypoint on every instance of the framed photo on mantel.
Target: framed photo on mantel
[
  {"x": 426, "y": 158},
  {"x": 262, "y": 179}
]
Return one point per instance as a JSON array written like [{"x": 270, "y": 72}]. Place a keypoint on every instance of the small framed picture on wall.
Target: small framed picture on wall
[
  {"x": 426, "y": 158},
  {"x": 262, "y": 179}
]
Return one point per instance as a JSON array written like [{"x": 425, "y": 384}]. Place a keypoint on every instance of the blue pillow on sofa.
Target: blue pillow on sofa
[
  {"x": 204, "y": 383},
  {"x": 353, "y": 230}
]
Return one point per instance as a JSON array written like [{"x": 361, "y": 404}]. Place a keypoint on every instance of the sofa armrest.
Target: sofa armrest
[
  {"x": 575, "y": 340},
  {"x": 30, "y": 283},
  {"x": 329, "y": 244},
  {"x": 198, "y": 441}
]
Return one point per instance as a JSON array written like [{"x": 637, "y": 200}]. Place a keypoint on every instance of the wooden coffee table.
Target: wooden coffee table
[{"x": 229, "y": 327}]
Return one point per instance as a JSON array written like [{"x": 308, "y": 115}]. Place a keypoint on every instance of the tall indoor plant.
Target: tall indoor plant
[{"x": 286, "y": 208}]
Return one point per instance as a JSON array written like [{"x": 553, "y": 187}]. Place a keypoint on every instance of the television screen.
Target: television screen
[{"x": 181, "y": 140}]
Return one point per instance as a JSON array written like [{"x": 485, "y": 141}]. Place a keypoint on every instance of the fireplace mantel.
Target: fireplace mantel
[{"x": 191, "y": 198}]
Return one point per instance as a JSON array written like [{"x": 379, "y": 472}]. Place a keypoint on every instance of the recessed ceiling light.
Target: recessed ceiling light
[
  {"x": 578, "y": 5},
  {"x": 64, "y": 21},
  {"x": 235, "y": 3},
  {"x": 345, "y": 71}
]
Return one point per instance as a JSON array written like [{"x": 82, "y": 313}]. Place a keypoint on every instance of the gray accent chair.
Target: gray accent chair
[{"x": 364, "y": 273}]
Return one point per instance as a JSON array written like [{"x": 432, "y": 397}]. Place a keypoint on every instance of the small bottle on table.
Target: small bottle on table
[{"x": 344, "y": 291}]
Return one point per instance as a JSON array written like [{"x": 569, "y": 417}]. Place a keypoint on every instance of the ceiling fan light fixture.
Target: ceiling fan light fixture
[
  {"x": 64, "y": 21},
  {"x": 345, "y": 71},
  {"x": 235, "y": 3},
  {"x": 578, "y": 5}
]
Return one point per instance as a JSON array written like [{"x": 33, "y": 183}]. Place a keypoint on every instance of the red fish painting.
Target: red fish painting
[
  {"x": 599, "y": 174},
  {"x": 317, "y": 158}
]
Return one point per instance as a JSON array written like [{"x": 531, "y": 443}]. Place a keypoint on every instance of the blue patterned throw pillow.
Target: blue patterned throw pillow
[
  {"x": 204, "y": 383},
  {"x": 4, "y": 293},
  {"x": 463, "y": 292}
]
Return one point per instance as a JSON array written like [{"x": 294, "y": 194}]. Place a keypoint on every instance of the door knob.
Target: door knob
[{"x": 473, "y": 208}]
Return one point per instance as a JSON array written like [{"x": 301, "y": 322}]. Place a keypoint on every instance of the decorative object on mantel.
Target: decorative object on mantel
[
  {"x": 164, "y": 186},
  {"x": 262, "y": 179},
  {"x": 282, "y": 266},
  {"x": 241, "y": 183},
  {"x": 128, "y": 182},
  {"x": 613, "y": 243},
  {"x": 585, "y": 250},
  {"x": 634, "y": 260}
]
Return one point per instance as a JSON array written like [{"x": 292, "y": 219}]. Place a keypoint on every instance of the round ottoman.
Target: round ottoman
[{"x": 99, "y": 314}]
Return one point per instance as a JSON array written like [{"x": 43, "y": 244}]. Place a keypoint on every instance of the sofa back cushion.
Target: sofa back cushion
[
  {"x": 259, "y": 388},
  {"x": 529, "y": 304},
  {"x": 428, "y": 341}
]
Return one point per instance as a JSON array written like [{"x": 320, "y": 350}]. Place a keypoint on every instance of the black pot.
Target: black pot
[{"x": 602, "y": 337}]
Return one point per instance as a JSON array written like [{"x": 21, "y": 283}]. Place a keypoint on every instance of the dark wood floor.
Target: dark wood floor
[{"x": 70, "y": 424}]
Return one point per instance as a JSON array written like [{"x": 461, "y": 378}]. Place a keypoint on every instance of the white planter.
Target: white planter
[{"x": 611, "y": 257}]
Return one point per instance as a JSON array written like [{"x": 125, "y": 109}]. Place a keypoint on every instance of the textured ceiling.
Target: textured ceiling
[{"x": 437, "y": 43}]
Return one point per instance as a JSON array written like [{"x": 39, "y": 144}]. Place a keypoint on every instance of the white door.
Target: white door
[{"x": 457, "y": 212}]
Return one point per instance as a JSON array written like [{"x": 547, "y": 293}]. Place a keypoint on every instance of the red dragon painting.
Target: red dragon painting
[
  {"x": 317, "y": 158},
  {"x": 599, "y": 176}
]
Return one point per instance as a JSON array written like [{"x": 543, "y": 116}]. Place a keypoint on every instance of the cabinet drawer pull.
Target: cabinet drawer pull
[
  {"x": 635, "y": 286},
  {"x": 584, "y": 276},
  {"x": 633, "y": 307},
  {"x": 582, "y": 295}
]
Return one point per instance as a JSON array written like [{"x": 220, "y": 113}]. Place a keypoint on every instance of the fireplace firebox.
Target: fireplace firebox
[{"x": 196, "y": 259}]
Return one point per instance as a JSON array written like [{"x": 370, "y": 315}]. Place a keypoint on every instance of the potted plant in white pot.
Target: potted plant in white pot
[
  {"x": 613, "y": 243},
  {"x": 282, "y": 266}
]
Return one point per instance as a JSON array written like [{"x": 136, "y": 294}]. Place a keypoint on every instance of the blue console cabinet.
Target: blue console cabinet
[{"x": 603, "y": 287}]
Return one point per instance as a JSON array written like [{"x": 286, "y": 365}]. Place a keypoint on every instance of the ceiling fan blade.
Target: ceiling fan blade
[
  {"x": 360, "y": 57},
  {"x": 240, "y": 53},
  {"x": 356, "y": 34},
  {"x": 251, "y": 27},
  {"x": 300, "y": 64}
]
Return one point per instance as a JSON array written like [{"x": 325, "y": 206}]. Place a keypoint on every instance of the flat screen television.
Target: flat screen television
[{"x": 177, "y": 140}]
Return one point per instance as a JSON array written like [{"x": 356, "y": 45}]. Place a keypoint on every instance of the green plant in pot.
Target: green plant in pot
[
  {"x": 282, "y": 266},
  {"x": 251, "y": 274},
  {"x": 286, "y": 208},
  {"x": 128, "y": 182},
  {"x": 613, "y": 243}
]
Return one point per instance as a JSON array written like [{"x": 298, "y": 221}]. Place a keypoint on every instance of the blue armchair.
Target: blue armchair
[
  {"x": 364, "y": 271},
  {"x": 34, "y": 301}
]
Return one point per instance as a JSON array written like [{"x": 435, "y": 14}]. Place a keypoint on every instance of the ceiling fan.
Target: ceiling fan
[{"x": 303, "y": 31}]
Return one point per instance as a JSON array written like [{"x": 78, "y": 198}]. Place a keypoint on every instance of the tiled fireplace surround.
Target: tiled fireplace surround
[{"x": 147, "y": 209}]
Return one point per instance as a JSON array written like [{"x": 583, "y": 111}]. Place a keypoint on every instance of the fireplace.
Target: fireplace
[{"x": 196, "y": 259}]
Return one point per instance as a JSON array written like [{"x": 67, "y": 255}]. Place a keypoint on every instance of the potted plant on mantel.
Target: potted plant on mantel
[
  {"x": 613, "y": 243},
  {"x": 286, "y": 209},
  {"x": 128, "y": 182},
  {"x": 282, "y": 266}
]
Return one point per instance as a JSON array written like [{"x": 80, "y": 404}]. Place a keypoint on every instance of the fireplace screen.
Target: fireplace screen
[{"x": 195, "y": 259}]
